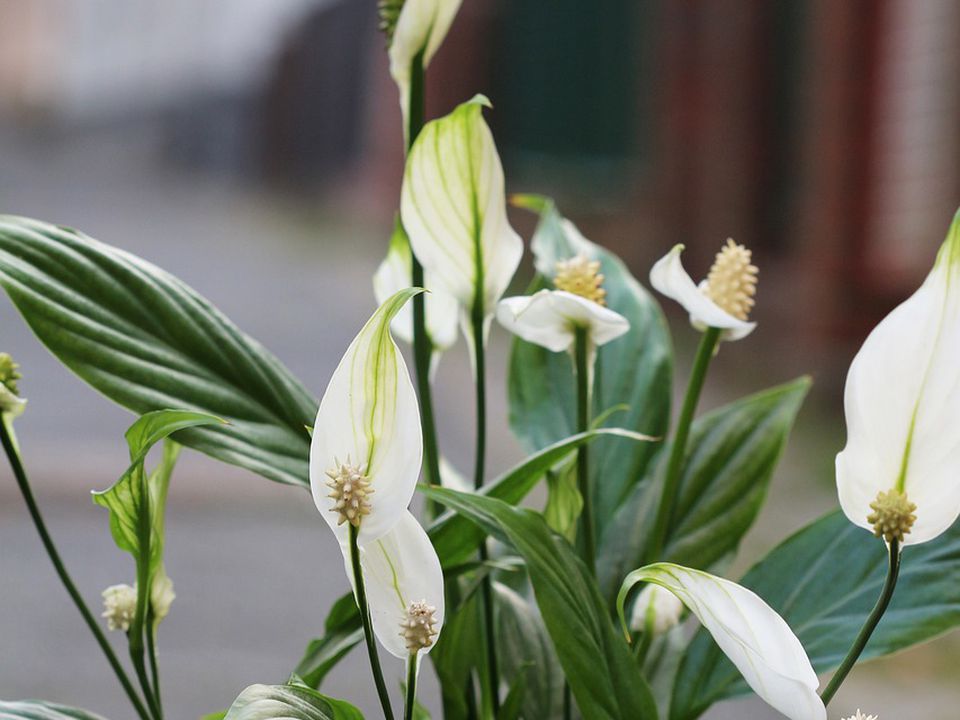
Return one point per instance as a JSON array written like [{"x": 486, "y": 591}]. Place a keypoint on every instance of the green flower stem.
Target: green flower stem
[
  {"x": 479, "y": 366},
  {"x": 893, "y": 572},
  {"x": 137, "y": 627},
  {"x": 371, "y": 641},
  {"x": 422, "y": 345},
  {"x": 411, "y": 696},
  {"x": 581, "y": 351},
  {"x": 152, "y": 656},
  {"x": 9, "y": 446},
  {"x": 671, "y": 481}
]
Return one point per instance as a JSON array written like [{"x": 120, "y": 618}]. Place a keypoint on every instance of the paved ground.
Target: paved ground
[{"x": 255, "y": 568}]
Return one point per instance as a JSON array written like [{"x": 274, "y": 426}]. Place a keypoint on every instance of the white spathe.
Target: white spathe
[
  {"x": 454, "y": 210},
  {"x": 669, "y": 278},
  {"x": 395, "y": 273},
  {"x": 369, "y": 417},
  {"x": 421, "y": 27},
  {"x": 902, "y": 405},
  {"x": 749, "y": 632},
  {"x": 550, "y": 318},
  {"x": 399, "y": 568}
]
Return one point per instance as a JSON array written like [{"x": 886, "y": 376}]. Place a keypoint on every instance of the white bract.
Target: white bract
[
  {"x": 902, "y": 405},
  {"x": 367, "y": 446},
  {"x": 421, "y": 27},
  {"x": 726, "y": 306},
  {"x": 751, "y": 634},
  {"x": 400, "y": 570},
  {"x": 550, "y": 318},
  {"x": 394, "y": 274},
  {"x": 454, "y": 210}
]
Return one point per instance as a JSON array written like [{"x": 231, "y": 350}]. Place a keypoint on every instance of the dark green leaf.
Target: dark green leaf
[
  {"x": 526, "y": 652},
  {"x": 343, "y": 632},
  {"x": 148, "y": 342},
  {"x": 454, "y": 657},
  {"x": 40, "y": 710},
  {"x": 732, "y": 454},
  {"x": 823, "y": 581},
  {"x": 634, "y": 370},
  {"x": 456, "y": 539},
  {"x": 598, "y": 664},
  {"x": 289, "y": 702}
]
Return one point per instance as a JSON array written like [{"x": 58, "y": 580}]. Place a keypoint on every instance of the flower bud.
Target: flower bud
[
  {"x": 10, "y": 402},
  {"x": 656, "y": 610},
  {"x": 161, "y": 596},
  {"x": 120, "y": 606}
]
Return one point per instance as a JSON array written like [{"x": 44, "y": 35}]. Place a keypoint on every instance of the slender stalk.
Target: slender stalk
[
  {"x": 581, "y": 350},
  {"x": 154, "y": 665},
  {"x": 137, "y": 627},
  {"x": 20, "y": 474},
  {"x": 368, "y": 626},
  {"x": 411, "y": 696},
  {"x": 671, "y": 481},
  {"x": 422, "y": 345},
  {"x": 479, "y": 364},
  {"x": 889, "y": 585}
]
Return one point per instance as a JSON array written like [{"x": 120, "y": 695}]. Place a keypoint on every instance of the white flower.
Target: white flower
[
  {"x": 655, "y": 610},
  {"x": 401, "y": 570},
  {"x": 861, "y": 716},
  {"x": 550, "y": 318},
  {"x": 454, "y": 210},
  {"x": 420, "y": 28},
  {"x": 723, "y": 300},
  {"x": 367, "y": 446},
  {"x": 394, "y": 274},
  {"x": 120, "y": 606},
  {"x": 751, "y": 634},
  {"x": 902, "y": 405}
]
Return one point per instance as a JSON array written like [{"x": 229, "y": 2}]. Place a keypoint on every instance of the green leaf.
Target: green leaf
[
  {"x": 732, "y": 454},
  {"x": 527, "y": 654},
  {"x": 343, "y": 632},
  {"x": 824, "y": 581},
  {"x": 289, "y": 702},
  {"x": 454, "y": 657},
  {"x": 598, "y": 665},
  {"x": 456, "y": 539},
  {"x": 147, "y": 341},
  {"x": 40, "y": 710},
  {"x": 634, "y": 370}
]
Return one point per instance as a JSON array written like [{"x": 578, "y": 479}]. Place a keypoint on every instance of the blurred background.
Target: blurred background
[{"x": 253, "y": 148}]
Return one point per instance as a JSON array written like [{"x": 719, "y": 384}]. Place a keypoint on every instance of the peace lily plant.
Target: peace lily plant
[{"x": 607, "y": 600}]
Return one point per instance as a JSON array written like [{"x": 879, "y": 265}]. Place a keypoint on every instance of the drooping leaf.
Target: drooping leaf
[
  {"x": 289, "y": 702},
  {"x": 41, "y": 710},
  {"x": 457, "y": 539},
  {"x": 732, "y": 454},
  {"x": 598, "y": 665},
  {"x": 147, "y": 341},
  {"x": 634, "y": 370},
  {"x": 342, "y": 632},
  {"x": 823, "y": 581}
]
